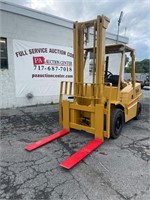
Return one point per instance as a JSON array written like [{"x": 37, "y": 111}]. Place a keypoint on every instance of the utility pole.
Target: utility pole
[{"x": 119, "y": 22}]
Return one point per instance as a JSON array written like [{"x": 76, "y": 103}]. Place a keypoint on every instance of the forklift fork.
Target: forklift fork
[
  {"x": 73, "y": 159},
  {"x": 82, "y": 153},
  {"x": 46, "y": 140}
]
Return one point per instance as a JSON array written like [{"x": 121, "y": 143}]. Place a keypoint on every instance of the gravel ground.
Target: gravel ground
[{"x": 118, "y": 170}]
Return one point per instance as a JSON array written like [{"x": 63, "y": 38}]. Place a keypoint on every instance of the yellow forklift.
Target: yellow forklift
[{"x": 102, "y": 105}]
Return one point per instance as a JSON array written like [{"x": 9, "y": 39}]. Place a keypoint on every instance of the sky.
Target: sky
[{"x": 135, "y": 22}]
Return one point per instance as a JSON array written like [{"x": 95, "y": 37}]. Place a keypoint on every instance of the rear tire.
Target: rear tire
[
  {"x": 138, "y": 111},
  {"x": 116, "y": 123}
]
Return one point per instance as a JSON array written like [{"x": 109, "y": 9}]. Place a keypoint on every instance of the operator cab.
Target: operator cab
[
  {"x": 115, "y": 60},
  {"x": 115, "y": 64}
]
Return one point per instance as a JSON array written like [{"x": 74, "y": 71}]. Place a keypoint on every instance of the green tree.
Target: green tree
[{"x": 140, "y": 66}]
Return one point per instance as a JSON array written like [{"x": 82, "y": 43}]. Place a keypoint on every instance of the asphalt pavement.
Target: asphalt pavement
[{"x": 117, "y": 170}]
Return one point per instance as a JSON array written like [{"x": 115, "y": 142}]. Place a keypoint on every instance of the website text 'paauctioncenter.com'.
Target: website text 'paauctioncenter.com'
[{"x": 51, "y": 76}]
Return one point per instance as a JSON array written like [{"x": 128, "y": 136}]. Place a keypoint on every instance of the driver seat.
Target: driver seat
[{"x": 115, "y": 79}]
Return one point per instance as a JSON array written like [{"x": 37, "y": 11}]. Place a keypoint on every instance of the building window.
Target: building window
[{"x": 3, "y": 53}]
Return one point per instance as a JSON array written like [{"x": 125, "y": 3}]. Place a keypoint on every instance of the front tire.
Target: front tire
[{"x": 116, "y": 123}]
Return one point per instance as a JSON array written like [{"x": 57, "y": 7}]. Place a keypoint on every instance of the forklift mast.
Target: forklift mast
[{"x": 81, "y": 38}]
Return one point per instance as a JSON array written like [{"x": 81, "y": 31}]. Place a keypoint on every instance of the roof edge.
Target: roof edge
[
  {"x": 32, "y": 13},
  {"x": 29, "y": 12}
]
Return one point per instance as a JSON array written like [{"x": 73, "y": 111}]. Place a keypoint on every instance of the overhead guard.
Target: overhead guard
[
  {"x": 46, "y": 140},
  {"x": 82, "y": 153}
]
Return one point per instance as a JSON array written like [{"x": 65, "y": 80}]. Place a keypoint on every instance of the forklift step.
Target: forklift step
[
  {"x": 82, "y": 153},
  {"x": 46, "y": 140}
]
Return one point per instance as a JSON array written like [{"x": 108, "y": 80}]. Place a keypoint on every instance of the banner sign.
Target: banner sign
[{"x": 39, "y": 68}]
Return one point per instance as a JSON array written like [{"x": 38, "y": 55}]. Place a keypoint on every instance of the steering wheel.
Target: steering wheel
[{"x": 108, "y": 76}]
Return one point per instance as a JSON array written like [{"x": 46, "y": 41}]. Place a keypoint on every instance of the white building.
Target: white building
[{"x": 25, "y": 36}]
